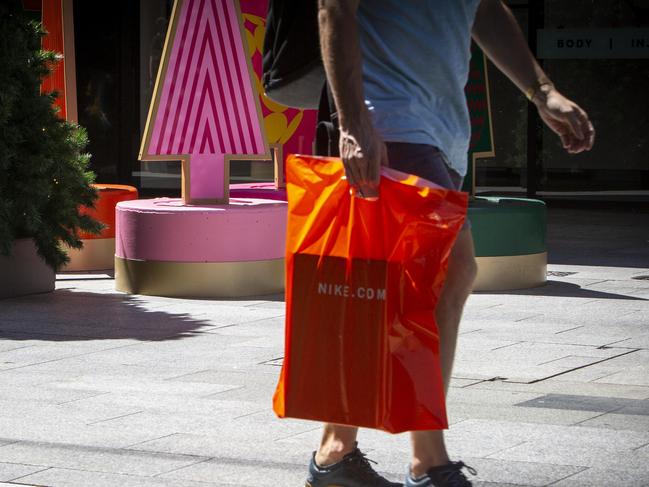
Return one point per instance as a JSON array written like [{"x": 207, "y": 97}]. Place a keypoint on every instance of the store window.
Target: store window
[
  {"x": 106, "y": 86},
  {"x": 507, "y": 171},
  {"x": 612, "y": 90},
  {"x": 154, "y": 177},
  {"x": 609, "y": 87}
]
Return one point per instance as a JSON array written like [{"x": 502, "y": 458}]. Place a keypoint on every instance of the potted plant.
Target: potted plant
[{"x": 44, "y": 176}]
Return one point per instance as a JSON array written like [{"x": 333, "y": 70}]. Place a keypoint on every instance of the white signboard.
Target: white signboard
[{"x": 593, "y": 43}]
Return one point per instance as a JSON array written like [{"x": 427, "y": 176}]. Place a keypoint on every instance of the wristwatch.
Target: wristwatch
[{"x": 531, "y": 92}]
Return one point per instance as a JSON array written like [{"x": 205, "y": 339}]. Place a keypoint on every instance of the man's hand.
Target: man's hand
[
  {"x": 363, "y": 153},
  {"x": 361, "y": 147},
  {"x": 498, "y": 34},
  {"x": 566, "y": 119}
]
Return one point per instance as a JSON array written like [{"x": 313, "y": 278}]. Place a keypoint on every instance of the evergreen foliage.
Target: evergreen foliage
[{"x": 44, "y": 174}]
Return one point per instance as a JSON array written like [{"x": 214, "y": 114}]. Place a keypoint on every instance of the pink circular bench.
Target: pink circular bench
[{"x": 166, "y": 248}]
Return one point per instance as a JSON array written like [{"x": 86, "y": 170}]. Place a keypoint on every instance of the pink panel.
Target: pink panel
[
  {"x": 207, "y": 106},
  {"x": 265, "y": 191},
  {"x": 164, "y": 229},
  {"x": 295, "y": 140},
  {"x": 204, "y": 181}
]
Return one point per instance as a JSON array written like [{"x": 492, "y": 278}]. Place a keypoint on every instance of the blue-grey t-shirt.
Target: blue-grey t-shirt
[{"x": 415, "y": 66}]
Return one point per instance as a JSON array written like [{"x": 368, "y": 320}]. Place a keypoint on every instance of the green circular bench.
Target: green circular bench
[{"x": 510, "y": 242}]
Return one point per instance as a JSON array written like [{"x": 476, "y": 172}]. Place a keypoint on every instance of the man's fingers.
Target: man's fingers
[
  {"x": 569, "y": 122},
  {"x": 590, "y": 136},
  {"x": 584, "y": 123},
  {"x": 384, "y": 156},
  {"x": 362, "y": 158},
  {"x": 368, "y": 191},
  {"x": 351, "y": 172},
  {"x": 566, "y": 141},
  {"x": 574, "y": 122},
  {"x": 586, "y": 143},
  {"x": 364, "y": 171},
  {"x": 381, "y": 159}
]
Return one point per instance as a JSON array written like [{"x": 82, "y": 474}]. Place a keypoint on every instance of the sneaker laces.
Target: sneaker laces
[
  {"x": 365, "y": 463},
  {"x": 454, "y": 476}
]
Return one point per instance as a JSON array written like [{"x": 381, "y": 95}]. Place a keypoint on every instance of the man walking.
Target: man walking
[{"x": 397, "y": 71}]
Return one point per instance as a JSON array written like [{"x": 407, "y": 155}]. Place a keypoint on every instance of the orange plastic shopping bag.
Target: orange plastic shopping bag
[{"x": 363, "y": 278}]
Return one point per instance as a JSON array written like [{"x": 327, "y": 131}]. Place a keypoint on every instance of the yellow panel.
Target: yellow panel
[
  {"x": 97, "y": 254},
  {"x": 511, "y": 272},
  {"x": 199, "y": 279}
]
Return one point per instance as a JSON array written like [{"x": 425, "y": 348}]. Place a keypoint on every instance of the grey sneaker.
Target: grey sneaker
[
  {"x": 354, "y": 470},
  {"x": 449, "y": 475}
]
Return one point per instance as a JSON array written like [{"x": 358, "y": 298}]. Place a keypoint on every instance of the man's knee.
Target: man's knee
[
  {"x": 469, "y": 270},
  {"x": 463, "y": 268}
]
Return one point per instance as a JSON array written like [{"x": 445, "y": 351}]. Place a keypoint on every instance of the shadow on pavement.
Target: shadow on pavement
[
  {"x": 65, "y": 315},
  {"x": 565, "y": 290},
  {"x": 608, "y": 238}
]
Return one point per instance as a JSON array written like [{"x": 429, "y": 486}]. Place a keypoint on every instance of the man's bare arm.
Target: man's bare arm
[
  {"x": 361, "y": 148},
  {"x": 498, "y": 34}
]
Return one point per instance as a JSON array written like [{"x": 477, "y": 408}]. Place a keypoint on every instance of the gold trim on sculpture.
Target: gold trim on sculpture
[
  {"x": 200, "y": 279},
  {"x": 511, "y": 272}
]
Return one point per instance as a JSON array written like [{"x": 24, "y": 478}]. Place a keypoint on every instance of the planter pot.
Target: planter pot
[
  {"x": 509, "y": 238},
  {"x": 98, "y": 252},
  {"x": 25, "y": 272}
]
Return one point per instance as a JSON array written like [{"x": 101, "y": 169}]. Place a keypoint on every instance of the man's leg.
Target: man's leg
[
  {"x": 428, "y": 447},
  {"x": 337, "y": 441}
]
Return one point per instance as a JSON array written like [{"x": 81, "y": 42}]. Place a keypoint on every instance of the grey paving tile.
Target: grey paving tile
[
  {"x": 534, "y": 362},
  {"x": 169, "y": 421},
  {"x": 637, "y": 408},
  {"x": 553, "y": 452},
  {"x": 12, "y": 471},
  {"x": 12, "y": 393},
  {"x": 95, "y": 459},
  {"x": 153, "y": 387},
  {"x": 237, "y": 471},
  {"x": 261, "y": 328},
  {"x": 618, "y": 422},
  {"x": 635, "y": 359},
  {"x": 588, "y": 403},
  {"x": 638, "y": 341},
  {"x": 59, "y": 477},
  {"x": 561, "y": 384},
  {"x": 527, "y": 473},
  {"x": 473, "y": 395},
  {"x": 520, "y": 432},
  {"x": 590, "y": 373},
  {"x": 37, "y": 411},
  {"x": 524, "y": 415},
  {"x": 631, "y": 376},
  {"x": 496, "y": 484},
  {"x": 280, "y": 304},
  {"x": 10, "y": 345},
  {"x": 552, "y": 332},
  {"x": 643, "y": 450},
  {"x": 456, "y": 382},
  {"x": 600, "y": 272},
  {"x": 230, "y": 315},
  {"x": 62, "y": 429},
  {"x": 599, "y": 476}
]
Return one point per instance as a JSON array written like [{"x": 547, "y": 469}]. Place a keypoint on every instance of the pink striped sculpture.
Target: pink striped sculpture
[{"x": 207, "y": 111}]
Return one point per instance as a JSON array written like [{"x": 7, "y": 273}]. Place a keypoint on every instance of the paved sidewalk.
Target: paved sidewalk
[{"x": 551, "y": 385}]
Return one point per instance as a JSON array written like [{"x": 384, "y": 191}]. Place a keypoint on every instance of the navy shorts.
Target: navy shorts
[{"x": 425, "y": 161}]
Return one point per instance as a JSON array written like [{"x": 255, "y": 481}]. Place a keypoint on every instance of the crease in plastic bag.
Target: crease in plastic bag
[{"x": 363, "y": 279}]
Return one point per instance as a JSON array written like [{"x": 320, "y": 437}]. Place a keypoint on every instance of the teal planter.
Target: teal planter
[{"x": 507, "y": 226}]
